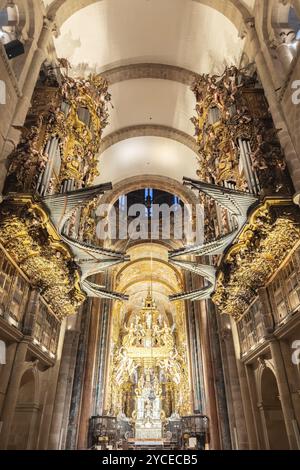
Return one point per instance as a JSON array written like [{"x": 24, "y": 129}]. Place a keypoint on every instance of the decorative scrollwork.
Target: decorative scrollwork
[
  {"x": 74, "y": 114},
  {"x": 272, "y": 231},
  {"x": 231, "y": 113}
]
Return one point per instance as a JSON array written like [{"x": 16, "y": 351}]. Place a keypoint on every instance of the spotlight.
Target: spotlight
[{"x": 14, "y": 49}]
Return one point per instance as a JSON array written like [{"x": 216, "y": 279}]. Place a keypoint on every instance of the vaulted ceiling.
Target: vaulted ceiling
[{"x": 150, "y": 50}]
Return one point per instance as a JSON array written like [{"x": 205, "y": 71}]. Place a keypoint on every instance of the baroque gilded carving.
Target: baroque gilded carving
[
  {"x": 74, "y": 113},
  {"x": 33, "y": 244},
  {"x": 271, "y": 232},
  {"x": 147, "y": 355},
  {"x": 235, "y": 133}
]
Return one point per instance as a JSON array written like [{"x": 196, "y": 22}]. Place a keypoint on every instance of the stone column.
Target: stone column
[
  {"x": 219, "y": 381},
  {"x": 11, "y": 397},
  {"x": 194, "y": 341},
  {"x": 296, "y": 5},
  {"x": 64, "y": 378},
  {"x": 103, "y": 359},
  {"x": 261, "y": 409},
  {"x": 77, "y": 391},
  {"x": 266, "y": 312},
  {"x": 249, "y": 418},
  {"x": 50, "y": 395},
  {"x": 293, "y": 380},
  {"x": 238, "y": 426},
  {"x": 284, "y": 392},
  {"x": 209, "y": 379},
  {"x": 89, "y": 375},
  {"x": 250, "y": 425}
]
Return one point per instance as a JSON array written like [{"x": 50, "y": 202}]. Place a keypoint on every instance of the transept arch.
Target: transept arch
[
  {"x": 234, "y": 10},
  {"x": 156, "y": 182}
]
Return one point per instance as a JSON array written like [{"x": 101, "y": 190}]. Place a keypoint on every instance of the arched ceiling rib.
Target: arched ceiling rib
[
  {"x": 183, "y": 33},
  {"x": 235, "y": 10},
  {"x": 149, "y": 130},
  {"x": 158, "y": 71}
]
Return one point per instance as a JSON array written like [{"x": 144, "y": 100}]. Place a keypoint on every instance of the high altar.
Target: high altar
[{"x": 148, "y": 367}]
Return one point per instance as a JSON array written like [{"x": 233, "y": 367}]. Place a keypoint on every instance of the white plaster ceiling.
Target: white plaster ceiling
[
  {"x": 176, "y": 32},
  {"x": 147, "y": 156},
  {"x": 151, "y": 101},
  {"x": 181, "y": 33}
]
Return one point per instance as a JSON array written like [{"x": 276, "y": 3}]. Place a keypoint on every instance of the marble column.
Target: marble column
[{"x": 11, "y": 397}]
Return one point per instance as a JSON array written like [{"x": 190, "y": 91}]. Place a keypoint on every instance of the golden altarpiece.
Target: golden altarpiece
[{"x": 149, "y": 379}]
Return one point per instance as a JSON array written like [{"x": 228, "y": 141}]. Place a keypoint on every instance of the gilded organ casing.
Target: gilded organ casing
[
  {"x": 57, "y": 154},
  {"x": 238, "y": 144},
  {"x": 61, "y": 137}
]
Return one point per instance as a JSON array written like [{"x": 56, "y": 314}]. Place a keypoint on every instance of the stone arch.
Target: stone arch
[
  {"x": 234, "y": 10},
  {"x": 24, "y": 429},
  {"x": 146, "y": 130},
  {"x": 272, "y": 418},
  {"x": 150, "y": 70},
  {"x": 156, "y": 182}
]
